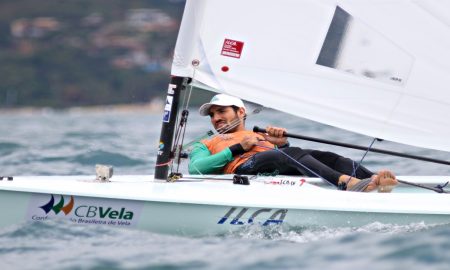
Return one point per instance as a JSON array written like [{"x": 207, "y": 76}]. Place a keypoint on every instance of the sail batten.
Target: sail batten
[{"x": 378, "y": 68}]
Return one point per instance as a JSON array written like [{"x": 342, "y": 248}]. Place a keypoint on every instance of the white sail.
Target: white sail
[{"x": 376, "y": 67}]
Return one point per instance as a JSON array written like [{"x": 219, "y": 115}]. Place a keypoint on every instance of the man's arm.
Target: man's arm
[
  {"x": 275, "y": 135},
  {"x": 202, "y": 162}
]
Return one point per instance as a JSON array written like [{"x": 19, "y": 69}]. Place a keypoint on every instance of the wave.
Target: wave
[
  {"x": 374, "y": 246},
  {"x": 87, "y": 135},
  {"x": 105, "y": 157},
  {"x": 7, "y": 148}
]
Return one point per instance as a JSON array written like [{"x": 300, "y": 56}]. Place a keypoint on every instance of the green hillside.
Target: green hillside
[{"x": 61, "y": 53}]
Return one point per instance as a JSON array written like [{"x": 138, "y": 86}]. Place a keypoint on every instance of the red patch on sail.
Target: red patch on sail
[{"x": 232, "y": 48}]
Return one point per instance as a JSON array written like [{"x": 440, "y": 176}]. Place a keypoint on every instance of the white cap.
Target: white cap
[{"x": 221, "y": 100}]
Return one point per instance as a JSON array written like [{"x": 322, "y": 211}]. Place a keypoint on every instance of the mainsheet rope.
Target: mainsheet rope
[
  {"x": 181, "y": 131},
  {"x": 362, "y": 185}
]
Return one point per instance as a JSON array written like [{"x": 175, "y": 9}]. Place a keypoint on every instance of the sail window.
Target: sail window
[{"x": 354, "y": 47}]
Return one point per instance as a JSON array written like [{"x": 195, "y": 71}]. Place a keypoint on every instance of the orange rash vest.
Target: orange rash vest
[{"x": 222, "y": 141}]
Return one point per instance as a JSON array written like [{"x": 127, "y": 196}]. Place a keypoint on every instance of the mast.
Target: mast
[{"x": 165, "y": 154}]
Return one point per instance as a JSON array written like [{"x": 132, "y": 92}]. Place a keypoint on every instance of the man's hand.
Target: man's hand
[
  {"x": 249, "y": 141},
  {"x": 275, "y": 135}
]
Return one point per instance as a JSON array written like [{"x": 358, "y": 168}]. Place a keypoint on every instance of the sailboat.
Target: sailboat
[{"x": 378, "y": 68}]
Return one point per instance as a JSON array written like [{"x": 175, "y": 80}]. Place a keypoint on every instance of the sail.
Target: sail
[{"x": 379, "y": 68}]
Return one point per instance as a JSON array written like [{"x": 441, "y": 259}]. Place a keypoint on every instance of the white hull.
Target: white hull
[{"x": 199, "y": 207}]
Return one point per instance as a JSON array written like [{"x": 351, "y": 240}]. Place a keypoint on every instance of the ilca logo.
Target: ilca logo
[
  {"x": 276, "y": 216},
  {"x": 59, "y": 207}
]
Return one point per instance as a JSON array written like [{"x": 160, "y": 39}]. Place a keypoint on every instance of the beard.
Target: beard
[{"x": 230, "y": 127}]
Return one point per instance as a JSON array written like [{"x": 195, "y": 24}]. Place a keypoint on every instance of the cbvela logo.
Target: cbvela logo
[
  {"x": 59, "y": 207},
  {"x": 90, "y": 211},
  {"x": 85, "y": 210}
]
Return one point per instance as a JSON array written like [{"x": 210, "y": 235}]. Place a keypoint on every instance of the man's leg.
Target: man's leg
[
  {"x": 305, "y": 163},
  {"x": 291, "y": 161},
  {"x": 341, "y": 164}
]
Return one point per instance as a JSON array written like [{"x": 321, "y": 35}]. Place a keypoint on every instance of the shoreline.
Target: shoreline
[{"x": 152, "y": 107}]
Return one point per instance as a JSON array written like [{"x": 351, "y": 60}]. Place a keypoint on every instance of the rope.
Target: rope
[
  {"x": 361, "y": 185},
  {"x": 362, "y": 158},
  {"x": 163, "y": 164},
  {"x": 210, "y": 133},
  {"x": 181, "y": 125},
  {"x": 232, "y": 125},
  {"x": 357, "y": 166}
]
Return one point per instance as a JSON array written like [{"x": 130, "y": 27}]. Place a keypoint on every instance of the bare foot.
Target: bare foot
[
  {"x": 351, "y": 181},
  {"x": 385, "y": 181}
]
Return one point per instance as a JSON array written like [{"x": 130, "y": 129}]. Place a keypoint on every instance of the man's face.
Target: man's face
[{"x": 225, "y": 120}]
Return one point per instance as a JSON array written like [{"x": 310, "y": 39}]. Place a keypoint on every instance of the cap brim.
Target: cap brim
[{"x": 204, "y": 109}]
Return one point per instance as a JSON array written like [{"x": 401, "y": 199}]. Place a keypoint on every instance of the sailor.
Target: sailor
[{"x": 241, "y": 151}]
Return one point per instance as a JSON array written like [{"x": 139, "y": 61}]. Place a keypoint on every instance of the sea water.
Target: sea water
[{"x": 71, "y": 142}]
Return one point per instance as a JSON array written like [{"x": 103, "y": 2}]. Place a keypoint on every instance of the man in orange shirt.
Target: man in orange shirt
[{"x": 237, "y": 150}]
